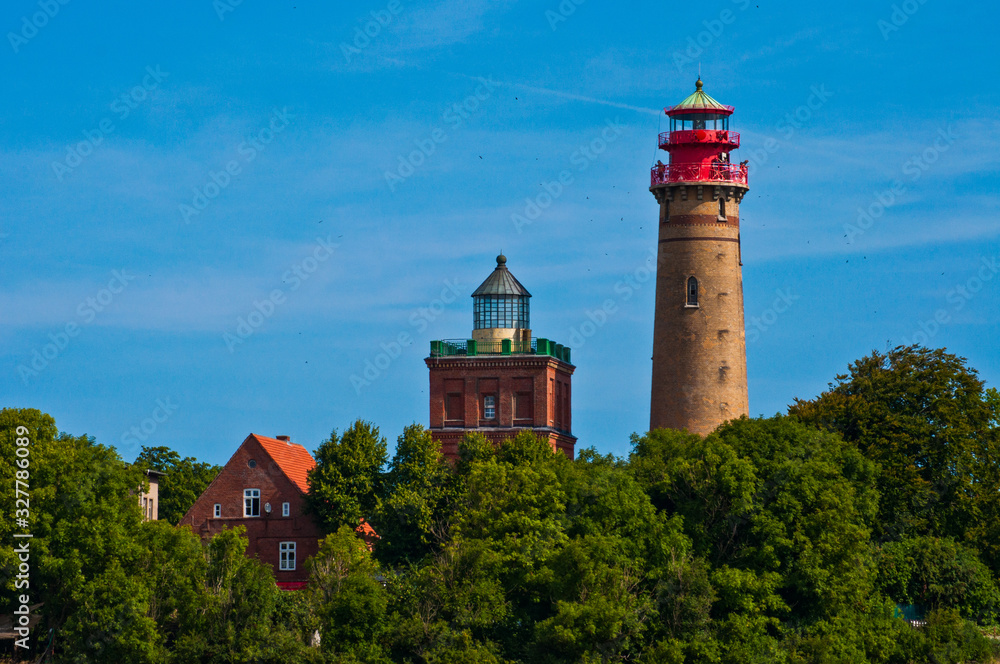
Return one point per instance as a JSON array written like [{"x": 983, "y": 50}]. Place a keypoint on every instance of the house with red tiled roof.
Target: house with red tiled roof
[{"x": 263, "y": 487}]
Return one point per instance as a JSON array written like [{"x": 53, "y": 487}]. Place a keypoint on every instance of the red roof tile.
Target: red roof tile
[{"x": 294, "y": 460}]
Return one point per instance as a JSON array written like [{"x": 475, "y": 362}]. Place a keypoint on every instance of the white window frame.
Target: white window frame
[
  {"x": 286, "y": 509},
  {"x": 489, "y": 407},
  {"x": 217, "y": 511},
  {"x": 286, "y": 556},
  {"x": 251, "y": 502}
]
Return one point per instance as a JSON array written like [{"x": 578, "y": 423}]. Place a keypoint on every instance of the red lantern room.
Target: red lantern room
[{"x": 699, "y": 143}]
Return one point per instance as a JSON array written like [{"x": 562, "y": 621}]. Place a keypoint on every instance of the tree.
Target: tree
[
  {"x": 183, "y": 482},
  {"x": 85, "y": 551},
  {"x": 782, "y": 513},
  {"x": 344, "y": 485},
  {"x": 412, "y": 509},
  {"x": 241, "y": 616},
  {"x": 346, "y": 588},
  {"x": 927, "y": 421},
  {"x": 939, "y": 573}
]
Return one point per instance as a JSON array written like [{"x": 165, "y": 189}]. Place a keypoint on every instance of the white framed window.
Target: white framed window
[
  {"x": 286, "y": 553},
  {"x": 218, "y": 510},
  {"x": 489, "y": 407},
  {"x": 286, "y": 509},
  {"x": 251, "y": 502}
]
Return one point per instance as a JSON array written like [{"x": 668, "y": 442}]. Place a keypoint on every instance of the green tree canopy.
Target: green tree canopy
[
  {"x": 345, "y": 484},
  {"x": 183, "y": 482},
  {"x": 412, "y": 501},
  {"x": 925, "y": 418}
]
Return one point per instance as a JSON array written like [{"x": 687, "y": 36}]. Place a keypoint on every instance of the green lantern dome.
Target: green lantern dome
[{"x": 699, "y": 100}]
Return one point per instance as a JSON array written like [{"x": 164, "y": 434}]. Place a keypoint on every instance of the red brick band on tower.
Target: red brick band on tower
[{"x": 699, "y": 340}]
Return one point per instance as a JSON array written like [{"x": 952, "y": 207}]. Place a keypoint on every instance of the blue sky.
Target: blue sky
[{"x": 121, "y": 119}]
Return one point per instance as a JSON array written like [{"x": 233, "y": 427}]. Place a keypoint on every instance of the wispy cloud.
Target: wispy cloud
[{"x": 571, "y": 96}]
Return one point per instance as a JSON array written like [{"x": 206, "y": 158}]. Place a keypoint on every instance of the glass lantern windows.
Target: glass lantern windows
[
  {"x": 500, "y": 311},
  {"x": 691, "y": 121}
]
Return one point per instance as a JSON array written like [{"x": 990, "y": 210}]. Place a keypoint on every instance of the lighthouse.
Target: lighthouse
[
  {"x": 501, "y": 380},
  {"x": 699, "y": 341}
]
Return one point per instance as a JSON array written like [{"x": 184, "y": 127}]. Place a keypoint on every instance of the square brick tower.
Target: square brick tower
[{"x": 501, "y": 381}]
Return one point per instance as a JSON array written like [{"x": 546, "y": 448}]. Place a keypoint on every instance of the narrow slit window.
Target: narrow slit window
[
  {"x": 692, "y": 292},
  {"x": 722, "y": 209}
]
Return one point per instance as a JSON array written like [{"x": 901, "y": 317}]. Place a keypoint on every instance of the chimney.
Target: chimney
[{"x": 285, "y": 439}]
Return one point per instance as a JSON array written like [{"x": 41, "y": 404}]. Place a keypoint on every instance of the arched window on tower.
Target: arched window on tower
[{"x": 692, "y": 292}]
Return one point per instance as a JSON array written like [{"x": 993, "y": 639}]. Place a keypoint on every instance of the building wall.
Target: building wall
[
  {"x": 699, "y": 353},
  {"x": 266, "y": 531},
  {"x": 149, "y": 500},
  {"x": 533, "y": 392}
]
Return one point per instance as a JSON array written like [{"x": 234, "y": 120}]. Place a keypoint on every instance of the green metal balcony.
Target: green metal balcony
[{"x": 473, "y": 348}]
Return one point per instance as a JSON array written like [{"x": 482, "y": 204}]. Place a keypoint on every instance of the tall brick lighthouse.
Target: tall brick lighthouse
[
  {"x": 699, "y": 342},
  {"x": 501, "y": 380}
]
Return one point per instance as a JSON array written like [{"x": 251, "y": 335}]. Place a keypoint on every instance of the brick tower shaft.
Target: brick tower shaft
[{"x": 699, "y": 349}]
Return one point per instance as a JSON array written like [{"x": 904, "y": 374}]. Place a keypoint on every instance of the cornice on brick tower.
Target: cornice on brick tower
[
  {"x": 699, "y": 342},
  {"x": 500, "y": 381}
]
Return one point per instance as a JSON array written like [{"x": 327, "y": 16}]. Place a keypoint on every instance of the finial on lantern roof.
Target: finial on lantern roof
[{"x": 501, "y": 282}]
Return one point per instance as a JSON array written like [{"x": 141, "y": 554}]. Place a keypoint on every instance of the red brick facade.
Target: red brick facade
[
  {"x": 531, "y": 392},
  {"x": 277, "y": 469}
]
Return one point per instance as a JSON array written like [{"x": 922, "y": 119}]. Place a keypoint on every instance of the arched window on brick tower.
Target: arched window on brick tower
[{"x": 692, "y": 292}]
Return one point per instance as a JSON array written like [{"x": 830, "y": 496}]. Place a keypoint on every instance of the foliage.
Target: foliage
[
  {"x": 413, "y": 494},
  {"x": 926, "y": 419},
  {"x": 939, "y": 573},
  {"x": 183, "y": 481},
  {"x": 344, "y": 485},
  {"x": 351, "y": 601}
]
